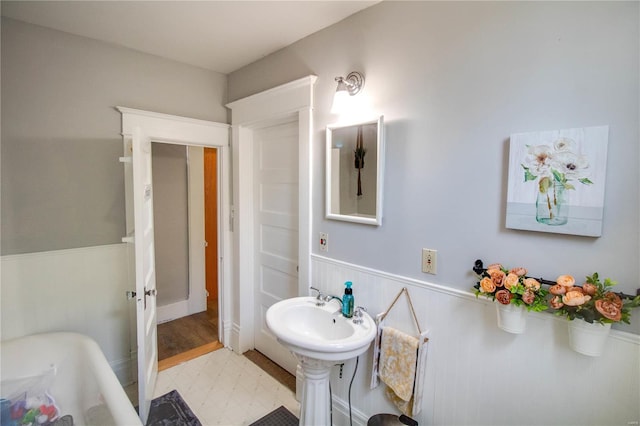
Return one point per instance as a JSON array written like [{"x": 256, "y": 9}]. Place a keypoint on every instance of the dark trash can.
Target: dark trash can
[{"x": 391, "y": 420}]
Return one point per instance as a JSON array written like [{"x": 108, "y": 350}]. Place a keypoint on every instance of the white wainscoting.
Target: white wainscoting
[
  {"x": 476, "y": 373},
  {"x": 81, "y": 290}
]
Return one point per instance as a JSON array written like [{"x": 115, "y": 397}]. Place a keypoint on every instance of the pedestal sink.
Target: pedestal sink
[{"x": 319, "y": 337}]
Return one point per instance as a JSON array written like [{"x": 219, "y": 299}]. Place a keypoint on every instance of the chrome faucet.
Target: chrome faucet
[
  {"x": 320, "y": 298},
  {"x": 330, "y": 297}
]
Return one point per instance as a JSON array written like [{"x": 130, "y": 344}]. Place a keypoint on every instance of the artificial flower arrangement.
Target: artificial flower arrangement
[
  {"x": 512, "y": 286},
  {"x": 594, "y": 302}
]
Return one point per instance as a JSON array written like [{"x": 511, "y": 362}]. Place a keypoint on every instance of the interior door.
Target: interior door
[
  {"x": 145, "y": 271},
  {"x": 211, "y": 225},
  {"x": 276, "y": 230}
]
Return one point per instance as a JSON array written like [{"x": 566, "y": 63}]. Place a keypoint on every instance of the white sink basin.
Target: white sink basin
[{"x": 319, "y": 332}]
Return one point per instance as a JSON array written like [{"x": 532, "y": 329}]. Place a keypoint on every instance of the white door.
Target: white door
[
  {"x": 275, "y": 230},
  {"x": 145, "y": 271}
]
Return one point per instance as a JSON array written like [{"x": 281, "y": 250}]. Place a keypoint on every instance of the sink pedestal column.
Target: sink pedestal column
[{"x": 315, "y": 408}]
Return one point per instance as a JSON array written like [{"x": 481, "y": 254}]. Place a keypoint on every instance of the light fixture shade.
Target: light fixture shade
[
  {"x": 340, "y": 102},
  {"x": 349, "y": 86}
]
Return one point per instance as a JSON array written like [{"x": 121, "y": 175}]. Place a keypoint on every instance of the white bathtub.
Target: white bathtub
[{"x": 75, "y": 373}]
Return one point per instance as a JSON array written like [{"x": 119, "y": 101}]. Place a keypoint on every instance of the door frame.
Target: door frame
[
  {"x": 259, "y": 110},
  {"x": 178, "y": 130}
]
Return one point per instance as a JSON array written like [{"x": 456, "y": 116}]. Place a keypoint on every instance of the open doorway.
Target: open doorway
[{"x": 186, "y": 239}]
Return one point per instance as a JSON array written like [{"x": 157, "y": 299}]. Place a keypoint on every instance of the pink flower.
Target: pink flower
[
  {"x": 528, "y": 297},
  {"x": 590, "y": 289},
  {"x": 497, "y": 276},
  {"x": 556, "y": 302},
  {"x": 503, "y": 296},
  {"x": 520, "y": 271},
  {"x": 494, "y": 266},
  {"x": 613, "y": 298},
  {"x": 609, "y": 310}
]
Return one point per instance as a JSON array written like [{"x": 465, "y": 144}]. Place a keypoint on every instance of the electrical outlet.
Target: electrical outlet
[
  {"x": 429, "y": 261},
  {"x": 324, "y": 241}
]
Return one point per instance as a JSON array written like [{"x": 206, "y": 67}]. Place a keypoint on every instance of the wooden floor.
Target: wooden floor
[
  {"x": 273, "y": 369},
  {"x": 187, "y": 333}
]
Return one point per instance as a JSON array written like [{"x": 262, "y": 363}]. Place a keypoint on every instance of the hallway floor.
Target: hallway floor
[
  {"x": 224, "y": 388},
  {"x": 186, "y": 333}
]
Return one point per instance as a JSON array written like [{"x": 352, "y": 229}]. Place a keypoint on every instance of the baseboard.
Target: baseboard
[
  {"x": 123, "y": 369},
  {"x": 341, "y": 413},
  {"x": 226, "y": 334}
]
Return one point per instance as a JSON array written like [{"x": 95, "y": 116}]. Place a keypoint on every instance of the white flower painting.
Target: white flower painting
[{"x": 556, "y": 181}]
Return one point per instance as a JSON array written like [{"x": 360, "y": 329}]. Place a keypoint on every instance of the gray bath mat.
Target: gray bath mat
[
  {"x": 278, "y": 417},
  {"x": 171, "y": 410}
]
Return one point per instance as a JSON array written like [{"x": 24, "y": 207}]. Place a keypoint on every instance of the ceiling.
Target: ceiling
[{"x": 221, "y": 36}]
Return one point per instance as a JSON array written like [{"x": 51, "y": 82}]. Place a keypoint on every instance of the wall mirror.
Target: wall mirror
[{"x": 354, "y": 172}]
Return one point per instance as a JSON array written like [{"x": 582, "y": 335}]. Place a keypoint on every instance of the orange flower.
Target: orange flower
[
  {"x": 503, "y": 296},
  {"x": 609, "y": 310},
  {"x": 557, "y": 290},
  {"x": 575, "y": 298},
  {"x": 511, "y": 280},
  {"x": 566, "y": 280},
  {"x": 487, "y": 285},
  {"x": 532, "y": 284},
  {"x": 497, "y": 276}
]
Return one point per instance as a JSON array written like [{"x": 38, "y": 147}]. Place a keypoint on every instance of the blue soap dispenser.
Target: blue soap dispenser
[{"x": 347, "y": 300}]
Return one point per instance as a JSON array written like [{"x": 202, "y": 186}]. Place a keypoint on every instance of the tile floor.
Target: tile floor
[{"x": 224, "y": 388}]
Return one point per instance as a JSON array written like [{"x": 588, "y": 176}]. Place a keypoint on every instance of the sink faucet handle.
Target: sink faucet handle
[
  {"x": 357, "y": 314},
  {"x": 320, "y": 298}
]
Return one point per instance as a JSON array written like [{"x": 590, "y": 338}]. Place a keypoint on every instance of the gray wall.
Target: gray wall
[
  {"x": 454, "y": 80},
  {"x": 62, "y": 184},
  {"x": 171, "y": 222}
]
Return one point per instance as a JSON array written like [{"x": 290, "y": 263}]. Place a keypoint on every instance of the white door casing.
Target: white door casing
[
  {"x": 275, "y": 200},
  {"x": 145, "y": 271},
  {"x": 294, "y": 99},
  {"x": 139, "y": 128}
]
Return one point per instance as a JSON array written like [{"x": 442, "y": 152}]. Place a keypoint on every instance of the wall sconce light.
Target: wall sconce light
[{"x": 349, "y": 86}]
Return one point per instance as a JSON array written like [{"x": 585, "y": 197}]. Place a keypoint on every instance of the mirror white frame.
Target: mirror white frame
[{"x": 348, "y": 187}]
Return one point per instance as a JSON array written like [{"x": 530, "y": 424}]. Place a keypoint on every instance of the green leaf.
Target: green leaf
[
  {"x": 559, "y": 177},
  {"x": 528, "y": 176},
  {"x": 585, "y": 181},
  {"x": 544, "y": 184}
]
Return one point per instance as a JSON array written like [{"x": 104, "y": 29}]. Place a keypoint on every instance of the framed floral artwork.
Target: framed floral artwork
[{"x": 557, "y": 181}]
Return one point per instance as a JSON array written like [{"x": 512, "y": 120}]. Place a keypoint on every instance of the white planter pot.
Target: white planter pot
[
  {"x": 588, "y": 339},
  {"x": 511, "y": 318}
]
